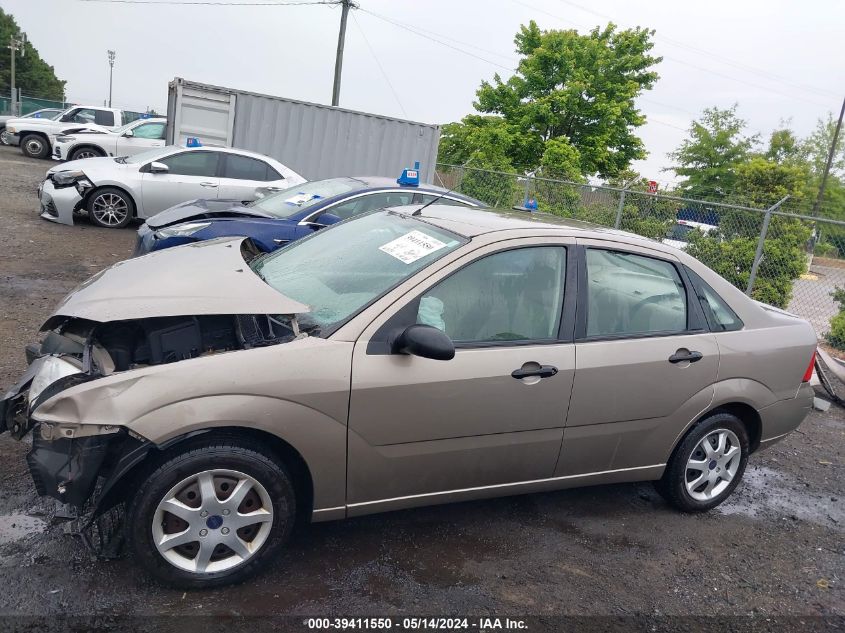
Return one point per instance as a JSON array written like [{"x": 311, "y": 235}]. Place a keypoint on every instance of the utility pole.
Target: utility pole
[
  {"x": 341, "y": 37},
  {"x": 111, "y": 72},
  {"x": 830, "y": 155},
  {"x": 16, "y": 43}
]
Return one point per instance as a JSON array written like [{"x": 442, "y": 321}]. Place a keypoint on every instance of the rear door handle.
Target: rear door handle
[
  {"x": 543, "y": 371},
  {"x": 274, "y": 188},
  {"x": 208, "y": 184},
  {"x": 685, "y": 355}
]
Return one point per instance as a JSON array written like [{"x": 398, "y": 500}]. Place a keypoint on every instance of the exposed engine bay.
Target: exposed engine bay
[
  {"x": 89, "y": 350},
  {"x": 67, "y": 462}
]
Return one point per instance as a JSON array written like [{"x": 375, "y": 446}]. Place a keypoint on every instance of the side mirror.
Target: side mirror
[
  {"x": 158, "y": 168},
  {"x": 128, "y": 134},
  {"x": 326, "y": 219},
  {"x": 424, "y": 341}
]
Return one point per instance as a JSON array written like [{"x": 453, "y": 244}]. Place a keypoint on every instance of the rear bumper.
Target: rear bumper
[{"x": 783, "y": 417}]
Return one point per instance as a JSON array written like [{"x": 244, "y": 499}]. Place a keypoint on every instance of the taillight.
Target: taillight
[{"x": 809, "y": 373}]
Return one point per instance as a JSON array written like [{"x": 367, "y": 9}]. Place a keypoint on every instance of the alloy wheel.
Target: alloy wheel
[
  {"x": 110, "y": 209},
  {"x": 86, "y": 153},
  {"x": 713, "y": 464},
  {"x": 212, "y": 521},
  {"x": 5, "y": 138}
]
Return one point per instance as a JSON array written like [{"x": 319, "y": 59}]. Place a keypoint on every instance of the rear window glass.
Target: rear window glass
[{"x": 720, "y": 317}]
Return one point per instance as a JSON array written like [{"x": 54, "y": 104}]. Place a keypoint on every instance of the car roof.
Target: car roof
[
  {"x": 385, "y": 182},
  {"x": 471, "y": 222}
]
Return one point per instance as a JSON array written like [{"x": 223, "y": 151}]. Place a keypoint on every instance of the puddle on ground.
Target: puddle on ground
[
  {"x": 16, "y": 526},
  {"x": 765, "y": 490}
]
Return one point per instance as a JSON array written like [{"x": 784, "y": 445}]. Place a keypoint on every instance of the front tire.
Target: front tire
[
  {"x": 35, "y": 146},
  {"x": 86, "y": 152},
  {"x": 213, "y": 515},
  {"x": 707, "y": 465},
  {"x": 110, "y": 208}
]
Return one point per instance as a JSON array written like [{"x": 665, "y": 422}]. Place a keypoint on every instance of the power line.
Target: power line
[
  {"x": 673, "y": 59},
  {"x": 218, "y": 3},
  {"x": 428, "y": 37},
  {"x": 378, "y": 63},
  {"x": 726, "y": 60}
]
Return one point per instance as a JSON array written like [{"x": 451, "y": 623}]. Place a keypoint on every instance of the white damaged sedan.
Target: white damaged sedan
[{"x": 115, "y": 190}]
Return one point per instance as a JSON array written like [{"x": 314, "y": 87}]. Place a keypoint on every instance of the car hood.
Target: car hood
[
  {"x": 208, "y": 277},
  {"x": 204, "y": 209},
  {"x": 90, "y": 165}
]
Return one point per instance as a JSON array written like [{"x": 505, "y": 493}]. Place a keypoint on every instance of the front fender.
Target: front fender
[{"x": 318, "y": 438}]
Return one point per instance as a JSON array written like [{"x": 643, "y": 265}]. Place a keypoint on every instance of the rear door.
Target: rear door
[
  {"x": 491, "y": 416},
  {"x": 242, "y": 176},
  {"x": 192, "y": 175},
  {"x": 144, "y": 137},
  {"x": 647, "y": 363}
]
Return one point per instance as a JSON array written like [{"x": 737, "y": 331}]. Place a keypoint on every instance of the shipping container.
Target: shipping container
[{"x": 317, "y": 141}]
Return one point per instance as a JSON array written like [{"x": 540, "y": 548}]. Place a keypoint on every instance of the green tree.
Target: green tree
[
  {"x": 576, "y": 90},
  {"x": 33, "y": 75},
  {"x": 709, "y": 157}
]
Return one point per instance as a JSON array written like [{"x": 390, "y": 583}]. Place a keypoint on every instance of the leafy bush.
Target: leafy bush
[
  {"x": 836, "y": 336},
  {"x": 825, "y": 249},
  {"x": 783, "y": 262}
]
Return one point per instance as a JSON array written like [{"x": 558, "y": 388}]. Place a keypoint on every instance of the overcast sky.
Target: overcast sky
[{"x": 779, "y": 59}]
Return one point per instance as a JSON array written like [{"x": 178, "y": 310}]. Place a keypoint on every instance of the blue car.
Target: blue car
[{"x": 285, "y": 216}]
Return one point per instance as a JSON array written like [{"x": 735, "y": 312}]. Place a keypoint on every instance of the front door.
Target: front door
[
  {"x": 646, "y": 361},
  {"x": 192, "y": 175},
  {"x": 145, "y": 136},
  {"x": 494, "y": 414}
]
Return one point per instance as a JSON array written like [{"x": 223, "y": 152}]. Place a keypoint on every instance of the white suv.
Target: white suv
[{"x": 128, "y": 140}]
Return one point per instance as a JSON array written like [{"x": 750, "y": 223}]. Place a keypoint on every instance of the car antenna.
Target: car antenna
[{"x": 432, "y": 201}]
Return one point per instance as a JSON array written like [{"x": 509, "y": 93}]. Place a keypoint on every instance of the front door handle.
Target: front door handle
[
  {"x": 274, "y": 189},
  {"x": 211, "y": 185},
  {"x": 543, "y": 371},
  {"x": 685, "y": 355}
]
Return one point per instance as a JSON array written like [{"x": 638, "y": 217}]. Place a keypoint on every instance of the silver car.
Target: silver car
[
  {"x": 115, "y": 190},
  {"x": 404, "y": 357}
]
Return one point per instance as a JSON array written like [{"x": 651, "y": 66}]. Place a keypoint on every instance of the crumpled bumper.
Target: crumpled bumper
[
  {"x": 57, "y": 205},
  {"x": 67, "y": 468}
]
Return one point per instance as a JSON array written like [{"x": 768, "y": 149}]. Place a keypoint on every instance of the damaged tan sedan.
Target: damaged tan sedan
[{"x": 405, "y": 357}]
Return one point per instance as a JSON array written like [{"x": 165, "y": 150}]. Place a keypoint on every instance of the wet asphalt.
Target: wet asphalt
[{"x": 775, "y": 549}]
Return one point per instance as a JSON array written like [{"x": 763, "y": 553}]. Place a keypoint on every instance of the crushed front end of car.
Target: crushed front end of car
[{"x": 107, "y": 344}]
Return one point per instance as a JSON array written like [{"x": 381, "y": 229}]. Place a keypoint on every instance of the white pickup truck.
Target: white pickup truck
[{"x": 36, "y": 136}]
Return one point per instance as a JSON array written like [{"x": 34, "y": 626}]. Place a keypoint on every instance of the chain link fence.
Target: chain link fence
[{"x": 775, "y": 255}]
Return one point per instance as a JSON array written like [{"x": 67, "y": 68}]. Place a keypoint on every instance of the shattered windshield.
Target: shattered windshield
[{"x": 338, "y": 271}]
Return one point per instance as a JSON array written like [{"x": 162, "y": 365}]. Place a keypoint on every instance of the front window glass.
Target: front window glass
[
  {"x": 338, "y": 271},
  {"x": 154, "y": 131},
  {"x": 633, "y": 294},
  {"x": 291, "y": 201},
  {"x": 515, "y": 295}
]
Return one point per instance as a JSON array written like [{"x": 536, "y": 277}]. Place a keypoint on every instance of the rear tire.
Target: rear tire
[
  {"x": 86, "y": 152},
  {"x": 35, "y": 146},
  {"x": 5, "y": 137},
  {"x": 707, "y": 465},
  {"x": 110, "y": 208},
  {"x": 206, "y": 476}
]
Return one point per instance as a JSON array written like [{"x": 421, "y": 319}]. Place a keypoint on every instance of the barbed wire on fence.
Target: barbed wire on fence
[{"x": 777, "y": 255}]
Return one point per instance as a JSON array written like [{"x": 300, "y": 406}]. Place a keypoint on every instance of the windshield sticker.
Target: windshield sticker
[
  {"x": 412, "y": 246},
  {"x": 301, "y": 198}
]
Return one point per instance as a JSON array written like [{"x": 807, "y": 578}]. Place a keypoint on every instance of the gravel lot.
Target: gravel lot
[{"x": 775, "y": 550}]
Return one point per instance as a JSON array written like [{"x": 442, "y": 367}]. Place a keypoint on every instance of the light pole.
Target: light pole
[
  {"x": 111, "y": 72},
  {"x": 16, "y": 43}
]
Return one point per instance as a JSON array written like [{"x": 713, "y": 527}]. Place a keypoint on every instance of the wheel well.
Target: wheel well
[
  {"x": 88, "y": 146},
  {"x": 83, "y": 204},
  {"x": 748, "y": 416},
  {"x": 279, "y": 449}
]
